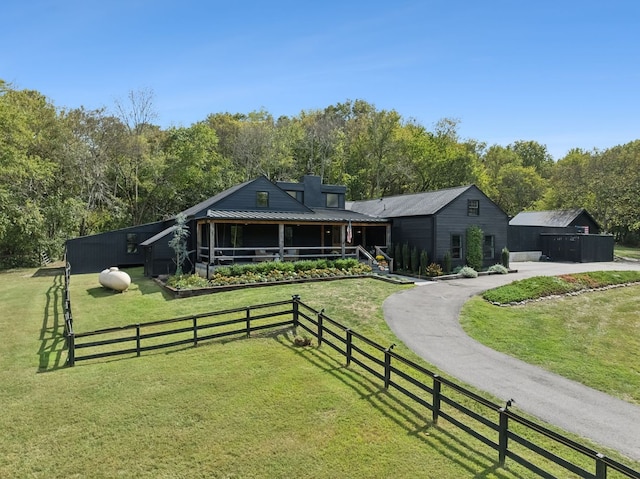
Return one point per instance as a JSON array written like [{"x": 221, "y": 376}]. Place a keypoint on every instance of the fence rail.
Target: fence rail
[{"x": 494, "y": 425}]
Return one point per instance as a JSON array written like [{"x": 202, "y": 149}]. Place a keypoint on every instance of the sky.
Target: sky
[{"x": 564, "y": 73}]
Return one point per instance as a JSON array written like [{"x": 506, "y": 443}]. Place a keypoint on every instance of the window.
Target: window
[
  {"x": 473, "y": 207},
  {"x": 132, "y": 243},
  {"x": 488, "y": 249},
  {"x": 456, "y": 246},
  {"x": 262, "y": 199},
  {"x": 333, "y": 200}
]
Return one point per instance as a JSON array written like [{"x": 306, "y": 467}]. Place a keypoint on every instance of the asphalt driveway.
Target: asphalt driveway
[{"x": 425, "y": 318}]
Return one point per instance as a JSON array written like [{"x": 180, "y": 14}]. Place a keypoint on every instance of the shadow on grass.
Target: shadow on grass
[
  {"x": 404, "y": 414},
  {"x": 52, "y": 341}
]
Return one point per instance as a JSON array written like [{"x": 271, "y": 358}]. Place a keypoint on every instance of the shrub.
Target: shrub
[
  {"x": 434, "y": 270},
  {"x": 424, "y": 262},
  {"x": 468, "y": 272},
  {"x": 406, "y": 257},
  {"x": 498, "y": 268},
  {"x": 447, "y": 262},
  {"x": 346, "y": 263},
  {"x": 474, "y": 247},
  {"x": 415, "y": 264},
  {"x": 505, "y": 257},
  {"x": 398, "y": 256},
  {"x": 304, "y": 265}
]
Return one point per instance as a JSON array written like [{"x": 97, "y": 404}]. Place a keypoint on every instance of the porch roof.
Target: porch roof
[{"x": 318, "y": 215}]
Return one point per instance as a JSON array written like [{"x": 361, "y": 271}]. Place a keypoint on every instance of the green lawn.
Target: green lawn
[
  {"x": 228, "y": 409},
  {"x": 591, "y": 338},
  {"x": 239, "y": 408},
  {"x": 627, "y": 252}
]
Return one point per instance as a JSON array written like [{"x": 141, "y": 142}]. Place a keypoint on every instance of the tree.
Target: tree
[
  {"x": 178, "y": 242},
  {"x": 474, "y": 247}
]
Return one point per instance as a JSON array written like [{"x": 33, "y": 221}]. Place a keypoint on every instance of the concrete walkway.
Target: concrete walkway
[{"x": 425, "y": 318}]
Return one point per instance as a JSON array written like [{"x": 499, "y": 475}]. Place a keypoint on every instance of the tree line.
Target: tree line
[{"x": 73, "y": 172}]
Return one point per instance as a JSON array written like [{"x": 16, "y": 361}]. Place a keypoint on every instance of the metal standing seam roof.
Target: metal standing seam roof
[
  {"x": 157, "y": 236},
  {"x": 417, "y": 204},
  {"x": 317, "y": 215},
  {"x": 552, "y": 218}
]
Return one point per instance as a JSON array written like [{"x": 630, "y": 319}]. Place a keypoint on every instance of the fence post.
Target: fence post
[
  {"x": 349, "y": 345},
  {"x": 248, "y": 316},
  {"x": 320, "y": 327},
  {"x": 387, "y": 366},
  {"x": 503, "y": 441},
  {"x": 138, "y": 340},
  {"x": 295, "y": 299},
  {"x": 601, "y": 467},
  {"x": 437, "y": 391},
  {"x": 195, "y": 331},
  {"x": 71, "y": 344}
]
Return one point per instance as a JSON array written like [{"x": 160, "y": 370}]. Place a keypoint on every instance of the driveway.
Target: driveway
[{"x": 425, "y": 318}]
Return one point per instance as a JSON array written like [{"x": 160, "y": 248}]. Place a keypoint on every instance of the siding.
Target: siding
[
  {"x": 453, "y": 219},
  {"x": 245, "y": 199},
  {"x": 89, "y": 254}
]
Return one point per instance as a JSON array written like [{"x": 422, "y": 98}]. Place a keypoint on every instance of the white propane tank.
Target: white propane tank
[{"x": 115, "y": 279}]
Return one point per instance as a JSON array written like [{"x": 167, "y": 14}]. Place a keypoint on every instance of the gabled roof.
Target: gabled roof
[
  {"x": 214, "y": 199},
  {"x": 417, "y": 204},
  {"x": 551, "y": 218}
]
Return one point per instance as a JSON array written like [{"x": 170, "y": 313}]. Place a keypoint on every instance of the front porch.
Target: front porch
[{"x": 230, "y": 242}]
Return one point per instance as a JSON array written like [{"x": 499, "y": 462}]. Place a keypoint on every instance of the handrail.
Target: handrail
[{"x": 388, "y": 258}]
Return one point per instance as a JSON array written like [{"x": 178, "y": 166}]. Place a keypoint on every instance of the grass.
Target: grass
[
  {"x": 591, "y": 338},
  {"x": 627, "y": 252},
  {"x": 234, "y": 408}
]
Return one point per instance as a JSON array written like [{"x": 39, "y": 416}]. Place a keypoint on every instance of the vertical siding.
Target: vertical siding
[
  {"x": 417, "y": 231},
  {"x": 94, "y": 253},
  {"x": 453, "y": 219},
  {"x": 245, "y": 199}
]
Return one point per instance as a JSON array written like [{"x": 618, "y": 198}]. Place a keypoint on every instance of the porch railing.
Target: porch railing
[{"x": 223, "y": 255}]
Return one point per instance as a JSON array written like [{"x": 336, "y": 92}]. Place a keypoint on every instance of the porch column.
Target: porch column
[
  {"x": 198, "y": 242},
  {"x": 388, "y": 238},
  {"x": 281, "y": 240},
  {"x": 212, "y": 241},
  {"x": 343, "y": 239}
]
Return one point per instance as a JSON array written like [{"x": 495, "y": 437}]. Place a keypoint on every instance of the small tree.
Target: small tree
[
  {"x": 424, "y": 262},
  {"x": 415, "y": 263},
  {"x": 447, "y": 262},
  {"x": 505, "y": 257},
  {"x": 406, "y": 257},
  {"x": 179, "y": 242},
  {"x": 474, "y": 247},
  {"x": 398, "y": 256}
]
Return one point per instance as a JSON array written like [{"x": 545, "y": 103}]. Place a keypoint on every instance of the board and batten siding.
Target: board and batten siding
[
  {"x": 417, "y": 231},
  {"x": 453, "y": 219},
  {"x": 89, "y": 254},
  {"x": 245, "y": 199}
]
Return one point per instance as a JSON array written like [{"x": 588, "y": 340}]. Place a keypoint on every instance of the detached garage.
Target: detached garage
[{"x": 560, "y": 235}]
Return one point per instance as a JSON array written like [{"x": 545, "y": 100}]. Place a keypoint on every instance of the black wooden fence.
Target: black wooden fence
[{"x": 509, "y": 434}]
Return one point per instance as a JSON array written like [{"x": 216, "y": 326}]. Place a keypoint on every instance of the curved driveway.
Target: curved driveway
[{"x": 425, "y": 318}]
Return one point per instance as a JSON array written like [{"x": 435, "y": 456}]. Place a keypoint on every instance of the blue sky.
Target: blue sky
[{"x": 564, "y": 73}]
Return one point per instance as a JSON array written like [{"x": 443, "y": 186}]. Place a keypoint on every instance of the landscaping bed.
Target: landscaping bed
[{"x": 228, "y": 278}]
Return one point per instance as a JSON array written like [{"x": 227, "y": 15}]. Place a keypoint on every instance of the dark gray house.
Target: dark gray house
[
  {"x": 258, "y": 220},
  {"x": 560, "y": 235},
  {"x": 436, "y": 221}
]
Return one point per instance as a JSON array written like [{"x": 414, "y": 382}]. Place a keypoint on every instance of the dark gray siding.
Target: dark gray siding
[
  {"x": 577, "y": 248},
  {"x": 94, "y": 253},
  {"x": 525, "y": 238},
  {"x": 245, "y": 199},
  {"x": 453, "y": 219},
  {"x": 416, "y": 231}
]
